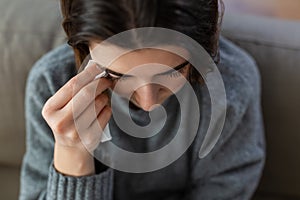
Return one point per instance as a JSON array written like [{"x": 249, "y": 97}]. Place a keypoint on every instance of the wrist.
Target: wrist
[{"x": 73, "y": 161}]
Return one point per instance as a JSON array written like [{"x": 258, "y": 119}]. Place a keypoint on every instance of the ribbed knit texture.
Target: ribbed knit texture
[{"x": 89, "y": 187}]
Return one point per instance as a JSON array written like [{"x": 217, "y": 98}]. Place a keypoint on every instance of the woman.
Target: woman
[{"x": 57, "y": 164}]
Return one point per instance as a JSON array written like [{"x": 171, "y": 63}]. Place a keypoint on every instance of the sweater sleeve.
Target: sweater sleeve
[{"x": 39, "y": 179}]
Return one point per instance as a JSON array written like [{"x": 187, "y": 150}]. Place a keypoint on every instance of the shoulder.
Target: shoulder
[
  {"x": 241, "y": 80},
  {"x": 52, "y": 70},
  {"x": 238, "y": 67},
  {"x": 240, "y": 75}
]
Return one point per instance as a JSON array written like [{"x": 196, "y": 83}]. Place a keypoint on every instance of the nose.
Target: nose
[{"x": 147, "y": 96}]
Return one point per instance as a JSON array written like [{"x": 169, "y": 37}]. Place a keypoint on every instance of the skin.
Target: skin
[
  {"x": 83, "y": 95},
  {"x": 148, "y": 95}
]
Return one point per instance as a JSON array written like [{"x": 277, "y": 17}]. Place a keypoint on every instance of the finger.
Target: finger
[
  {"x": 72, "y": 87},
  {"x": 85, "y": 96},
  {"x": 99, "y": 124},
  {"x": 85, "y": 119},
  {"x": 93, "y": 134},
  {"x": 64, "y": 117}
]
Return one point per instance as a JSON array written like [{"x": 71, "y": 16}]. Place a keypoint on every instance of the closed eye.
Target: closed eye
[
  {"x": 175, "y": 72},
  {"x": 115, "y": 77},
  {"x": 112, "y": 75},
  {"x": 179, "y": 68}
]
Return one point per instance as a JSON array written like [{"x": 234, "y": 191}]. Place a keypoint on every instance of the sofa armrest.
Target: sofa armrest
[
  {"x": 275, "y": 45},
  {"x": 28, "y": 29}
]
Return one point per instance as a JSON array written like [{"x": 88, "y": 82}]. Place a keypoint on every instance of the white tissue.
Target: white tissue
[
  {"x": 106, "y": 136},
  {"x": 102, "y": 74}
]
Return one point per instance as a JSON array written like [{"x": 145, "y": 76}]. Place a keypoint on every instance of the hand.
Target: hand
[{"x": 74, "y": 114}]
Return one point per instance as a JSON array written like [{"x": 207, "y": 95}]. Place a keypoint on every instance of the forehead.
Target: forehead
[{"x": 141, "y": 57}]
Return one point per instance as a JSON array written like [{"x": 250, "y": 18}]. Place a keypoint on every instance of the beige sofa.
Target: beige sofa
[
  {"x": 275, "y": 45},
  {"x": 30, "y": 28}
]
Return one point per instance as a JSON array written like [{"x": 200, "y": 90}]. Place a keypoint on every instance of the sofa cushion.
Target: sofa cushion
[
  {"x": 9, "y": 182},
  {"x": 275, "y": 45},
  {"x": 28, "y": 29}
]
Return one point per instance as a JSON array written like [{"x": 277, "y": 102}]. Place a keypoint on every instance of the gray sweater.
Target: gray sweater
[{"x": 231, "y": 171}]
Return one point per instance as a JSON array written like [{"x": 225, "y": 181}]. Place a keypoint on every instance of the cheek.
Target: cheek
[{"x": 164, "y": 94}]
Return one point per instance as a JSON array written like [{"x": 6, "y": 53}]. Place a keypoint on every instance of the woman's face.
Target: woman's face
[{"x": 147, "y": 76}]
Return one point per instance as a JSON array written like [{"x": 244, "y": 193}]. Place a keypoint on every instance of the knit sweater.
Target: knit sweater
[{"x": 230, "y": 171}]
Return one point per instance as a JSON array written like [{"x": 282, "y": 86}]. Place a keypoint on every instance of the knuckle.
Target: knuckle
[
  {"x": 73, "y": 84},
  {"x": 47, "y": 109},
  {"x": 73, "y": 81},
  {"x": 45, "y": 112},
  {"x": 59, "y": 127},
  {"x": 74, "y": 137},
  {"x": 86, "y": 93}
]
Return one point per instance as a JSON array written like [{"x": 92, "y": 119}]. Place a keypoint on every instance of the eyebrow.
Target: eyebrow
[{"x": 176, "y": 68}]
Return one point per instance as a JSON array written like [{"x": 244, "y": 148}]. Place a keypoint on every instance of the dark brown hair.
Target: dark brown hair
[{"x": 86, "y": 20}]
